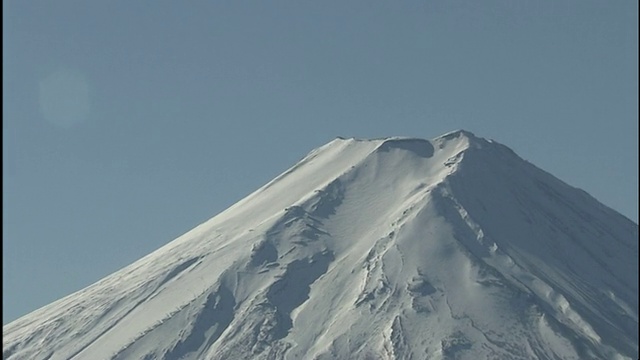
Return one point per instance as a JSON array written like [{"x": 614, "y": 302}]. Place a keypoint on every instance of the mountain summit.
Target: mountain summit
[{"x": 397, "y": 248}]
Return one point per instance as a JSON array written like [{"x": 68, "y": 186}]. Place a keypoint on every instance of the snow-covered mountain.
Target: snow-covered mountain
[{"x": 398, "y": 248}]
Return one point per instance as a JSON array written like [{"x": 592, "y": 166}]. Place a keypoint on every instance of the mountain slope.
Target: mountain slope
[{"x": 397, "y": 248}]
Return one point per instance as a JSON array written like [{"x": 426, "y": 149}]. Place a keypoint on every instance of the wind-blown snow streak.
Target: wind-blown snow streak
[{"x": 397, "y": 248}]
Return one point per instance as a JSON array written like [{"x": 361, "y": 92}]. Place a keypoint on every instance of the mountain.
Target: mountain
[{"x": 397, "y": 248}]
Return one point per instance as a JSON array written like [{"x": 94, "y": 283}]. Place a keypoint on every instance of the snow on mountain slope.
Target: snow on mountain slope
[{"x": 397, "y": 248}]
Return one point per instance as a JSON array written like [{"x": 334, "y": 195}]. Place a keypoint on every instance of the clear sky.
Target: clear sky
[{"x": 127, "y": 123}]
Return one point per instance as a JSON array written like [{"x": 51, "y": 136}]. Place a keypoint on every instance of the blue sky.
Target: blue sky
[{"x": 125, "y": 124}]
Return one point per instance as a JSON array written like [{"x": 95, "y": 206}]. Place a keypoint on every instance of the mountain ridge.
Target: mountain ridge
[{"x": 393, "y": 248}]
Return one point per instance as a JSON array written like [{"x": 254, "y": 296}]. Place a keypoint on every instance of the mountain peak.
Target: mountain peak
[
  {"x": 448, "y": 136},
  {"x": 458, "y": 133},
  {"x": 387, "y": 248},
  {"x": 463, "y": 137}
]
